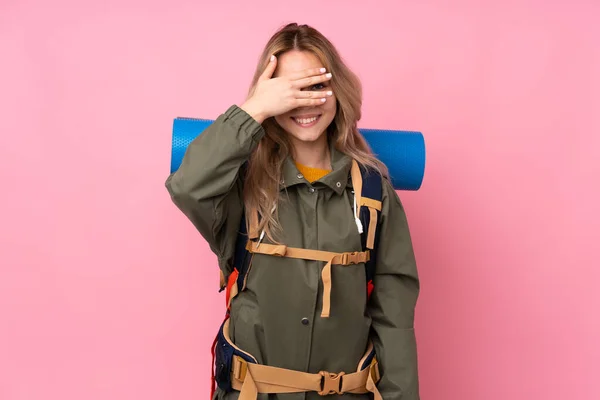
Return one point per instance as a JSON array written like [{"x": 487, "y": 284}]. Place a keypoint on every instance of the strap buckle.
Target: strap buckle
[
  {"x": 345, "y": 257},
  {"x": 240, "y": 368},
  {"x": 331, "y": 383},
  {"x": 349, "y": 258}
]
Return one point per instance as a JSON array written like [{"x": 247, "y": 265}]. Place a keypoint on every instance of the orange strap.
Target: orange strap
[{"x": 330, "y": 258}]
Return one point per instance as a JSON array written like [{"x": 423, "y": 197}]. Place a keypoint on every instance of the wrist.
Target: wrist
[{"x": 254, "y": 111}]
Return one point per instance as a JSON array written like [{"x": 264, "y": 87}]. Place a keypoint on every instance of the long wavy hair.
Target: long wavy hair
[{"x": 264, "y": 172}]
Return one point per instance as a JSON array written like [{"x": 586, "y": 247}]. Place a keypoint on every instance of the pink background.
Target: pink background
[{"x": 108, "y": 292}]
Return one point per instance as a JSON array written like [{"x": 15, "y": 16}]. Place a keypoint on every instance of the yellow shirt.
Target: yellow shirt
[{"x": 312, "y": 174}]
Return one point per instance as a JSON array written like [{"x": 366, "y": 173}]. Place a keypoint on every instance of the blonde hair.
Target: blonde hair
[{"x": 263, "y": 175}]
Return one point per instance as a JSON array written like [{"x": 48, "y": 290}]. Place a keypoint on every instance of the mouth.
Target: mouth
[{"x": 306, "y": 122}]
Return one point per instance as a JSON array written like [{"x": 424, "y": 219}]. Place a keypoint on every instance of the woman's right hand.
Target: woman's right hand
[{"x": 276, "y": 96}]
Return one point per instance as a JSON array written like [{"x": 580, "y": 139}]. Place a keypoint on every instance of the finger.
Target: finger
[
  {"x": 310, "y": 102},
  {"x": 269, "y": 70},
  {"x": 306, "y": 82},
  {"x": 316, "y": 94},
  {"x": 306, "y": 73}
]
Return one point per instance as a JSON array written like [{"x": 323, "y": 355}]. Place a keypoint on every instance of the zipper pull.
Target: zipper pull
[
  {"x": 359, "y": 225},
  {"x": 356, "y": 219}
]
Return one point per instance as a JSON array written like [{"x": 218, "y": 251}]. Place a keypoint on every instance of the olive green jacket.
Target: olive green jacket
[{"x": 277, "y": 318}]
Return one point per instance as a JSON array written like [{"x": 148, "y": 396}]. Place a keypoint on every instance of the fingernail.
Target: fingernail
[
  {"x": 323, "y": 100},
  {"x": 272, "y": 58},
  {"x": 328, "y": 75},
  {"x": 323, "y": 70},
  {"x": 329, "y": 93}
]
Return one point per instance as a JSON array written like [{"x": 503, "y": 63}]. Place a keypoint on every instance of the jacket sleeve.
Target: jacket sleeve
[
  {"x": 207, "y": 187},
  {"x": 392, "y": 303}
]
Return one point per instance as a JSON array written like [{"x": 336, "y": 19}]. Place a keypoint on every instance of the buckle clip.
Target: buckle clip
[
  {"x": 240, "y": 369},
  {"x": 331, "y": 383},
  {"x": 350, "y": 258},
  {"x": 345, "y": 259}
]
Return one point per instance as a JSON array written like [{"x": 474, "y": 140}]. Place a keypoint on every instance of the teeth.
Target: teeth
[{"x": 305, "y": 121}]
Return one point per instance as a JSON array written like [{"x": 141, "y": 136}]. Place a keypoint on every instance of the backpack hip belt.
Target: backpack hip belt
[{"x": 251, "y": 378}]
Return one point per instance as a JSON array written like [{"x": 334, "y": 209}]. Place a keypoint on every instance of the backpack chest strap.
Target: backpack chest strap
[{"x": 344, "y": 259}]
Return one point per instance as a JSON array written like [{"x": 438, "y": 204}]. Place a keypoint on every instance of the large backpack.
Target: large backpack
[{"x": 369, "y": 204}]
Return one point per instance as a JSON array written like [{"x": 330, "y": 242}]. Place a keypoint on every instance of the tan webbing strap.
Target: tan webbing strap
[
  {"x": 251, "y": 379},
  {"x": 372, "y": 226},
  {"x": 248, "y": 389},
  {"x": 374, "y": 377},
  {"x": 326, "y": 278},
  {"x": 372, "y": 380},
  {"x": 365, "y": 201},
  {"x": 266, "y": 379},
  {"x": 253, "y": 228},
  {"x": 317, "y": 255},
  {"x": 282, "y": 250}
]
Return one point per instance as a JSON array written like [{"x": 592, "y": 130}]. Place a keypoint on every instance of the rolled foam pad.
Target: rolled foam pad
[{"x": 403, "y": 152}]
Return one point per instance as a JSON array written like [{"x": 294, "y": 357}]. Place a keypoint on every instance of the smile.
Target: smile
[{"x": 306, "y": 122}]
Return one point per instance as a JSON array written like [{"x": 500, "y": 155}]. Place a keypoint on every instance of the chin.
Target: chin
[{"x": 307, "y": 137}]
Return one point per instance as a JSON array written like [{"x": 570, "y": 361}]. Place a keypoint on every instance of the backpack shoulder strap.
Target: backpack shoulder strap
[{"x": 370, "y": 216}]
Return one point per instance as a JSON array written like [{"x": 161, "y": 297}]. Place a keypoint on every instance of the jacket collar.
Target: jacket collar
[{"x": 337, "y": 179}]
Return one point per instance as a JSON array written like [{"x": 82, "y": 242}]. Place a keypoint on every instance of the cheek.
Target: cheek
[
  {"x": 331, "y": 105},
  {"x": 282, "y": 119}
]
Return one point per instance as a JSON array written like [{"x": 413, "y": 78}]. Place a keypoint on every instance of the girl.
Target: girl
[{"x": 287, "y": 168}]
